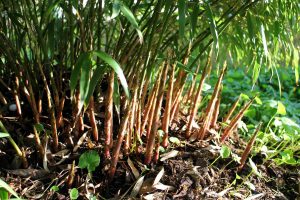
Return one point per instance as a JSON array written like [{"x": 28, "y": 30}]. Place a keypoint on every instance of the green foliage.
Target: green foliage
[
  {"x": 7, "y": 188},
  {"x": 90, "y": 160},
  {"x": 225, "y": 151},
  {"x": 74, "y": 194}
]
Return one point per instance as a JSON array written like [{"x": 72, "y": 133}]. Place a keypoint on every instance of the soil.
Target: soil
[
  {"x": 186, "y": 170},
  {"x": 189, "y": 170}
]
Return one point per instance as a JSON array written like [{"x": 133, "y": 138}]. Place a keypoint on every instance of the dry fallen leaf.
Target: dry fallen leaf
[
  {"x": 133, "y": 168},
  {"x": 168, "y": 155}
]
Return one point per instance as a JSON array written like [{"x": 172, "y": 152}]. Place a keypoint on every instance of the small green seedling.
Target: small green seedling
[
  {"x": 224, "y": 153},
  {"x": 74, "y": 194},
  {"x": 89, "y": 160}
]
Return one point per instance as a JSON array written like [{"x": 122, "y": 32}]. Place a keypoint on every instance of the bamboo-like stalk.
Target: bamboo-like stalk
[
  {"x": 232, "y": 109},
  {"x": 210, "y": 108},
  {"x": 3, "y": 99},
  {"x": 59, "y": 118},
  {"x": 16, "y": 96},
  {"x": 117, "y": 146},
  {"x": 192, "y": 89},
  {"x": 216, "y": 111},
  {"x": 148, "y": 115},
  {"x": 108, "y": 123},
  {"x": 197, "y": 99},
  {"x": 38, "y": 143},
  {"x": 249, "y": 147},
  {"x": 227, "y": 131},
  {"x": 154, "y": 127},
  {"x": 50, "y": 109},
  {"x": 20, "y": 153},
  {"x": 92, "y": 119},
  {"x": 166, "y": 117},
  {"x": 128, "y": 139}
]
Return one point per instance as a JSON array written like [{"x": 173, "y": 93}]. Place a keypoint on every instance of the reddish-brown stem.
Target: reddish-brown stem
[
  {"x": 151, "y": 140},
  {"x": 249, "y": 147},
  {"x": 232, "y": 109},
  {"x": 210, "y": 108},
  {"x": 216, "y": 112},
  {"x": 116, "y": 151},
  {"x": 92, "y": 119},
  {"x": 166, "y": 118},
  {"x": 108, "y": 123},
  {"x": 197, "y": 99},
  {"x": 38, "y": 143},
  {"x": 235, "y": 120},
  {"x": 2, "y": 99},
  {"x": 59, "y": 119},
  {"x": 16, "y": 96}
]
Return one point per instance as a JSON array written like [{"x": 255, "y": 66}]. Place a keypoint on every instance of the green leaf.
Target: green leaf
[
  {"x": 281, "y": 108},
  {"x": 130, "y": 17},
  {"x": 225, "y": 151},
  {"x": 74, "y": 194},
  {"x": 264, "y": 40},
  {"x": 194, "y": 18},
  {"x": 8, "y": 188},
  {"x": 174, "y": 140},
  {"x": 295, "y": 64},
  {"x": 89, "y": 160},
  {"x": 39, "y": 127},
  {"x": 76, "y": 71},
  {"x": 181, "y": 12},
  {"x": 3, "y": 194},
  {"x": 84, "y": 83},
  {"x": 116, "y": 67},
  {"x": 3, "y": 135},
  {"x": 213, "y": 28},
  {"x": 54, "y": 188},
  {"x": 115, "y": 9}
]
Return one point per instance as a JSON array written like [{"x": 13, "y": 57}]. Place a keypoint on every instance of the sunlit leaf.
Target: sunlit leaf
[
  {"x": 281, "y": 109},
  {"x": 130, "y": 17},
  {"x": 90, "y": 160},
  {"x": 213, "y": 28},
  {"x": 225, "y": 151},
  {"x": 74, "y": 194},
  {"x": 3, "y": 135},
  {"x": 8, "y": 188}
]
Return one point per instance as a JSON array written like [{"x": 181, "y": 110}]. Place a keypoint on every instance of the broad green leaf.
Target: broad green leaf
[
  {"x": 225, "y": 151},
  {"x": 3, "y": 194},
  {"x": 130, "y": 17},
  {"x": 181, "y": 13},
  {"x": 3, "y": 135},
  {"x": 250, "y": 27},
  {"x": 116, "y": 67},
  {"x": 256, "y": 71},
  {"x": 295, "y": 64},
  {"x": 264, "y": 40},
  {"x": 8, "y": 188},
  {"x": 281, "y": 108},
  {"x": 76, "y": 71},
  {"x": 84, "y": 83},
  {"x": 194, "y": 18},
  {"x": 213, "y": 28},
  {"x": 90, "y": 160},
  {"x": 74, "y": 194}
]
